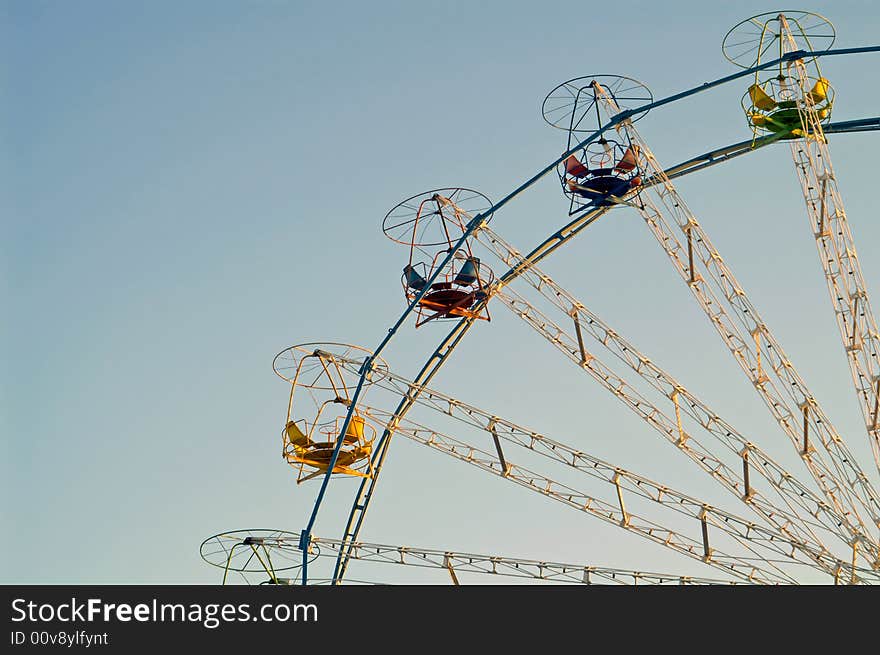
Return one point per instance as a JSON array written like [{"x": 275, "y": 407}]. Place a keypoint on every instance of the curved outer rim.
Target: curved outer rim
[
  {"x": 649, "y": 100},
  {"x": 426, "y": 195},
  {"x": 323, "y": 345},
  {"x": 767, "y": 15},
  {"x": 294, "y": 540}
]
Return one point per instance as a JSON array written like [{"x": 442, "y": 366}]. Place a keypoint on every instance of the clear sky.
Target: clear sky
[{"x": 190, "y": 187}]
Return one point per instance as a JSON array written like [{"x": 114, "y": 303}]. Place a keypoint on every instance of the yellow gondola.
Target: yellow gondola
[
  {"x": 319, "y": 404},
  {"x": 775, "y": 106}
]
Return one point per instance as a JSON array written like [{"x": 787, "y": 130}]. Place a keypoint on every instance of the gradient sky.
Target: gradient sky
[{"x": 190, "y": 187}]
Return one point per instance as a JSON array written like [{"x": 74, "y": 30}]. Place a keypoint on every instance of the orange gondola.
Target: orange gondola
[{"x": 431, "y": 224}]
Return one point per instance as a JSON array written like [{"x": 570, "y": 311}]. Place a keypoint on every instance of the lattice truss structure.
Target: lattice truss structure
[{"x": 821, "y": 521}]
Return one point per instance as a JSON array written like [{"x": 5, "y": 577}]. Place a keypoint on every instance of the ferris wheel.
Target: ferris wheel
[{"x": 346, "y": 403}]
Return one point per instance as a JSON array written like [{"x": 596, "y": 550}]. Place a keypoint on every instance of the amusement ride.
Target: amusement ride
[{"x": 346, "y": 404}]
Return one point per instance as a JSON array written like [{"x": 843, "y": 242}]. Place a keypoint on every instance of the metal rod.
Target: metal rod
[
  {"x": 682, "y": 437},
  {"x": 691, "y": 256},
  {"x": 448, "y": 564},
  {"x": 806, "y": 429},
  {"x": 616, "y": 479},
  {"x": 228, "y": 562},
  {"x": 577, "y": 329},
  {"x": 748, "y": 489},
  {"x": 840, "y": 51},
  {"x": 876, "y": 406},
  {"x": 757, "y": 336},
  {"x": 857, "y": 125},
  {"x": 706, "y": 552},
  {"x": 854, "y": 341},
  {"x": 855, "y": 552},
  {"x": 505, "y": 467},
  {"x": 267, "y": 568}
]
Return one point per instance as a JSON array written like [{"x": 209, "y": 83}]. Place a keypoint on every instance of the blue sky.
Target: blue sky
[{"x": 188, "y": 188}]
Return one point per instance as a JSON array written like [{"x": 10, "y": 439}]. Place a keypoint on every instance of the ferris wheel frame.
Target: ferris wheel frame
[{"x": 448, "y": 344}]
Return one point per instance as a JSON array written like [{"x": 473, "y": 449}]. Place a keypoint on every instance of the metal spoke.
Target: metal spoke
[
  {"x": 837, "y": 254},
  {"x": 286, "y": 544}
]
